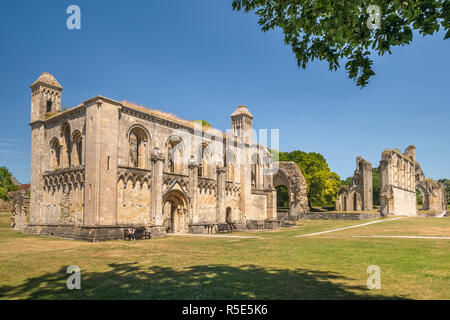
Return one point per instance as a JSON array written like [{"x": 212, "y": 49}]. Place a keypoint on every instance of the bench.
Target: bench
[
  {"x": 140, "y": 233},
  {"x": 224, "y": 227}
]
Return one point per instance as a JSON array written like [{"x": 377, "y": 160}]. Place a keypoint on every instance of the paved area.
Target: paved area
[
  {"x": 213, "y": 236},
  {"x": 345, "y": 228},
  {"x": 406, "y": 237}
]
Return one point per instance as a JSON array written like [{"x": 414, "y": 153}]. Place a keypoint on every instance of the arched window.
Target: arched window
[
  {"x": 77, "y": 146},
  {"x": 67, "y": 146},
  {"x": 55, "y": 151},
  {"x": 138, "y": 141},
  {"x": 229, "y": 164},
  {"x": 255, "y": 168},
  {"x": 175, "y": 154},
  {"x": 204, "y": 157},
  {"x": 49, "y": 106}
]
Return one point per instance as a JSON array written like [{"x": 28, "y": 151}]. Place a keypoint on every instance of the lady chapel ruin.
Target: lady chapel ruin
[{"x": 104, "y": 165}]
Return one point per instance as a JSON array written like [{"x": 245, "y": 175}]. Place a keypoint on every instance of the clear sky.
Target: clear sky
[{"x": 199, "y": 59}]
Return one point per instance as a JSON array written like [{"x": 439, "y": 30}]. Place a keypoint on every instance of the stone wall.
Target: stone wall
[
  {"x": 401, "y": 176},
  {"x": 20, "y": 212},
  {"x": 358, "y": 196},
  {"x": 398, "y": 182},
  {"x": 107, "y": 164}
]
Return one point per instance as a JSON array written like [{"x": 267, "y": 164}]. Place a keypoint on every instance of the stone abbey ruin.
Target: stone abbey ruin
[
  {"x": 104, "y": 165},
  {"x": 400, "y": 177}
]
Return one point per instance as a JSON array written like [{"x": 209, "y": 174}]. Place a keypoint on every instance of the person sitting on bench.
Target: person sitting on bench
[{"x": 131, "y": 233}]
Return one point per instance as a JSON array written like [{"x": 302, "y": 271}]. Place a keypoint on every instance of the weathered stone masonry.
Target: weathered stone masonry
[
  {"x": 103, "y": 165},
  {"x": 358, "y": 196},
  {"x": 401, "y": 176}
]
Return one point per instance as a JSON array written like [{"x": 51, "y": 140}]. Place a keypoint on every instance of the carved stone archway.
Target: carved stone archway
[
  {"x": 290, "y": 176},
  {"x": 175, "y": 211}
]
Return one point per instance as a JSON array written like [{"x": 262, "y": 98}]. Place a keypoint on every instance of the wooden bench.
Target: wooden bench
[
  {"x": 224, "y": 227},
  {"x": 140, "y": 233}
]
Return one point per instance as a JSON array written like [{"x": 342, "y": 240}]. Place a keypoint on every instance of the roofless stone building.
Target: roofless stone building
[
  {"x": 400, "y": 177},
  {"x": 104, "y": 165}
]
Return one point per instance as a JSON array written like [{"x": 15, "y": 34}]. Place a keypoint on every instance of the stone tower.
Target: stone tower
[
  {"x": 242, "y": 124},
  {"x": 45, "y": 99}
]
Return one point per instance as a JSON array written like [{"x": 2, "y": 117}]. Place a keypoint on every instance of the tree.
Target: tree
[
  {"x": 376, "y": 186},
  {"x": 333, "y": 30},
  {"x": 6, "y": 183},
  {"x": 322, "y": 184},
  {"x": 446, "y": 184}
]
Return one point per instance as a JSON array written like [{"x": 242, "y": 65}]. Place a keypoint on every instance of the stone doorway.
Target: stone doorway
[
  {"x": 289, "y": 180},
  {"x": 229, "y": 216},
  {"x": 175, "y": 210}
]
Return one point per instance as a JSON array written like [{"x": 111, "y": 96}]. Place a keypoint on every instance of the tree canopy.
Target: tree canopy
[
  {"x": 6, "y": 183},
  {"x": 446, "y": 184},
  {"x": 332, "y": 30},
  {"x": 323, "y": 185}
]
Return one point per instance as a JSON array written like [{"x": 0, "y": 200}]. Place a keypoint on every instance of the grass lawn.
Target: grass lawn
[{"x": 275, "y": 266}]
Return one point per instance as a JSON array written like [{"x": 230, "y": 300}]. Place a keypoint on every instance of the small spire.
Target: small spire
[
  {"x": 241, "y": 110},
  {"x": 47, "y": 78}
]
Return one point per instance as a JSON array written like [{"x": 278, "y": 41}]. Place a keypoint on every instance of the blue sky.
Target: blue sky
[{"x": 199, "y": 59}]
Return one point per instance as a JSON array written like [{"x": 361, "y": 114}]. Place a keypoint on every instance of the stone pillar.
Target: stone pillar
[
  {"x": 157, "y": 191},
  {"x": 272, "y": 203},
  {"x": 37, "y": 163},
  {"x": 193, "y": 185},
  {"x": 220, "y": 196}
]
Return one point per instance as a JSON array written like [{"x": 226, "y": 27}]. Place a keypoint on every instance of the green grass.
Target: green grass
[{"x": 278, "y": 266}]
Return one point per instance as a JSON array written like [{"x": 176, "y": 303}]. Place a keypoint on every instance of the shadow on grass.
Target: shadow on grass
[{"x": 132, "y": 281}]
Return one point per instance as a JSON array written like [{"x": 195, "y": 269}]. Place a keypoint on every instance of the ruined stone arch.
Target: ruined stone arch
[
  {"x": 433, "y": 195},
  {"x": 290, "y": 176}
]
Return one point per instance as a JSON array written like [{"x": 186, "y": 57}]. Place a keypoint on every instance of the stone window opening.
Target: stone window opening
[
  {"x": 55, "y": 154},
  {"x": 229, "y": 163},
  {"x": 204, "y": 157},
  {"x": 77, "y": 145},
  {"x": 66, "y": 160},
  {"x": 255, "y": 168},
  {"x": 138, "y": 147},
  {"x": 49, "y": 106},
  {"x": 175, "y": 155}
]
